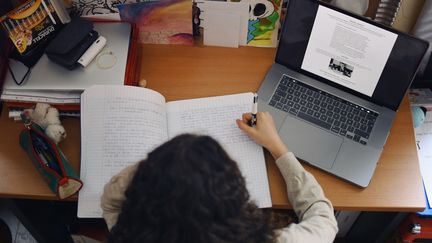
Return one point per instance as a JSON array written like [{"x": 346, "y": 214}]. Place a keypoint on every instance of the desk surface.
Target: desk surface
[{"x": 180, "y": 72}]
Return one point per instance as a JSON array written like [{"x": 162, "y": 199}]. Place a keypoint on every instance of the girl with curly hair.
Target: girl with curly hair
[{"x": 190, "y": 190}]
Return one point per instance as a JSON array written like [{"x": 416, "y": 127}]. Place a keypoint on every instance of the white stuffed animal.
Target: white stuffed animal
[{"x": 47, "y": 118}]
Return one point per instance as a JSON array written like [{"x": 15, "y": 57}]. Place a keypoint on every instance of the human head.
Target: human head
[{"x": 189, "y": 190}]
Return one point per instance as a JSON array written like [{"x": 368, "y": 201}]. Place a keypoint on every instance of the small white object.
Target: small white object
[
  {"x": 106, "y": 60},
  {"x": 92, "y": 51},
  {"x": 56, "y": 132}
]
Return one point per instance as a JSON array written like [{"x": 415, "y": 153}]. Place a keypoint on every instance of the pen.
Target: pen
[
  {"x": 254, "y": 110},
  {"x": 48, "y": 12}
]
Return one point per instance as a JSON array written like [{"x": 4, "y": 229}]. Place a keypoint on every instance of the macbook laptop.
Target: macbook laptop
[{"x": 335, "y": 87}]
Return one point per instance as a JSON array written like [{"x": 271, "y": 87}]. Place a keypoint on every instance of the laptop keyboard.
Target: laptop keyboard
[{"x": 323, "y": 109}]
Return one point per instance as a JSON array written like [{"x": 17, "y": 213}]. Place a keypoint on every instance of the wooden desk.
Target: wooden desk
[{"x": 188, "y": 72}]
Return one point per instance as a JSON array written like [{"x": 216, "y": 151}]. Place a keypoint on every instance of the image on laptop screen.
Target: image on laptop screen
[{"x": 347, "y": 51}]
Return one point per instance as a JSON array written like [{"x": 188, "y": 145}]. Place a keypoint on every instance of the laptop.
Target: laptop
[{"x": 335, "y": 87}]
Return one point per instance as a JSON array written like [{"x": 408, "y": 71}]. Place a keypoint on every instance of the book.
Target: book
[
  {"x": 52, "y": 97},
  {"x": 33, "y": 23},
  {"x": 121, "y": 124},
  {"x": 15, "y": 113},
  {"x": 423, "y": 135}
]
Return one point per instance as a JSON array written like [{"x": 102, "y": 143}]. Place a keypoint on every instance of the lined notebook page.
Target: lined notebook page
[
  {"x": 119, "y": 126},
  {"x": 215, "y": 116}
]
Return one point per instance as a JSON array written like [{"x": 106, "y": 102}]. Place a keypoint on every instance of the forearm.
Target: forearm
[
  {"x": 277, "y": 148},
  {"x": 314, "y": 210}
]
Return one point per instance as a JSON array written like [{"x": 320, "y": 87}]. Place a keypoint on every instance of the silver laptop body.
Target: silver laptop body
[{"x": 327, "y": 146}]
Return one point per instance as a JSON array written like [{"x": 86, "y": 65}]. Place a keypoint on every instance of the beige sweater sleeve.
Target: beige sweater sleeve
[
  {"x": 114, "y": 195},
  {"x": 317, "y": 222}
]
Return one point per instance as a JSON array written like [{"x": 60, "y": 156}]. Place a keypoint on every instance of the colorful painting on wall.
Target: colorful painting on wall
[
  {"x": 160, "y": 22},
  {"x": 264, "y": 22}
]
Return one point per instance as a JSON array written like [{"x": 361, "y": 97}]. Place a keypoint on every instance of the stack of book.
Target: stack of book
[{"x": 67, "y": 102}]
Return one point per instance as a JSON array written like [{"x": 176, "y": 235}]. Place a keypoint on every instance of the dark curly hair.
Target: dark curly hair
[{"x": 189, "y": 190}]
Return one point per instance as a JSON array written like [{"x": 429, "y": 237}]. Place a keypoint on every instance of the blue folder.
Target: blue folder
[{"x": 428, "y": 211}]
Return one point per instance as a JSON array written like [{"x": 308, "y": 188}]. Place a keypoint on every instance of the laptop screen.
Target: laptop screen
[{"x": 349, "y": 52}]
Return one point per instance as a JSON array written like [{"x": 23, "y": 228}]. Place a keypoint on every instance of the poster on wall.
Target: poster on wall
[
  {"x": 264, "y": 22},
  {"x": 160, "y": 22}
]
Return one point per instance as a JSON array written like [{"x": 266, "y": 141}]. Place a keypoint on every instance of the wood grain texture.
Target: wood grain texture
[{"x": 180, "y": 72}]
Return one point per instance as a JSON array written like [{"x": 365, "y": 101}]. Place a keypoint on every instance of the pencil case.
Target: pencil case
[{"x": 49, "y": 160}]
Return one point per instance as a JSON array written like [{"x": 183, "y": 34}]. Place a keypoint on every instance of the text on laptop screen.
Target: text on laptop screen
[{"x": 347, "y": 51}]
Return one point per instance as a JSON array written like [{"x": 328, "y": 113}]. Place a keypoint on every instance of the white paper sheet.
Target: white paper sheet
[
  {"x": 114, "y": 135},
  {"x": 238, "y": 8},
  {"x": 215, "y": 116},
  {"x": 423, "y": 136},
  {"x": 221, "y": 29}
]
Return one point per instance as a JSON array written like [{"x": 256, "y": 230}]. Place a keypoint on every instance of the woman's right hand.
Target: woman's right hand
[{"x": 263, "y": 133}]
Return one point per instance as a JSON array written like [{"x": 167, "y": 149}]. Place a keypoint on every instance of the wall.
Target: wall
[{"x": 407, "y": 15}]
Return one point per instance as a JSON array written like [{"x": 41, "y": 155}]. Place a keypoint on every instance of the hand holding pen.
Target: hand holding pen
[{"x": 264, "y": 132}]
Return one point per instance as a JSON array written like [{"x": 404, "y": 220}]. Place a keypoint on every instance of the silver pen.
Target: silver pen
[{"x": 254, "y": 110}]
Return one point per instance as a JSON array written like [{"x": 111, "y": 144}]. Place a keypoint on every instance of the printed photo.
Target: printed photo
[{"x": 341, "y": 67}]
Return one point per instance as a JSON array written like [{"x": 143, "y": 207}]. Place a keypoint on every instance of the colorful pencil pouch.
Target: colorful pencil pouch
[{"x": 49, "y": 160}]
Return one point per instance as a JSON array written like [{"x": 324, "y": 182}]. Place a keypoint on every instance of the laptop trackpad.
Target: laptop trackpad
[{"x": 309, "y": 143}]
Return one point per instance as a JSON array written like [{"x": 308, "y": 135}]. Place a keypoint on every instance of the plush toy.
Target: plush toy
[
  {"x": 47, "y": 117},
  {"x": 419, "y": 115}
]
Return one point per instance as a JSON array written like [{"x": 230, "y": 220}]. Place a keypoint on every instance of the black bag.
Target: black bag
[{"x": 71, "y": 43}]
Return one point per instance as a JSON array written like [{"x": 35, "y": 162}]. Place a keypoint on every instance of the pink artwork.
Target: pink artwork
[{"x": 160, "y": 22}]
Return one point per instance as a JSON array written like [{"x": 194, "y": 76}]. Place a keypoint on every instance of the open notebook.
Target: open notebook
[{"x": 121, "y": 124}]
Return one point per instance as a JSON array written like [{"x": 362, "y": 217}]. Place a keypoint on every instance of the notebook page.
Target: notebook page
[
  {"x": 215, "y": 116},
  {"x": 119, "y": 126}
]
